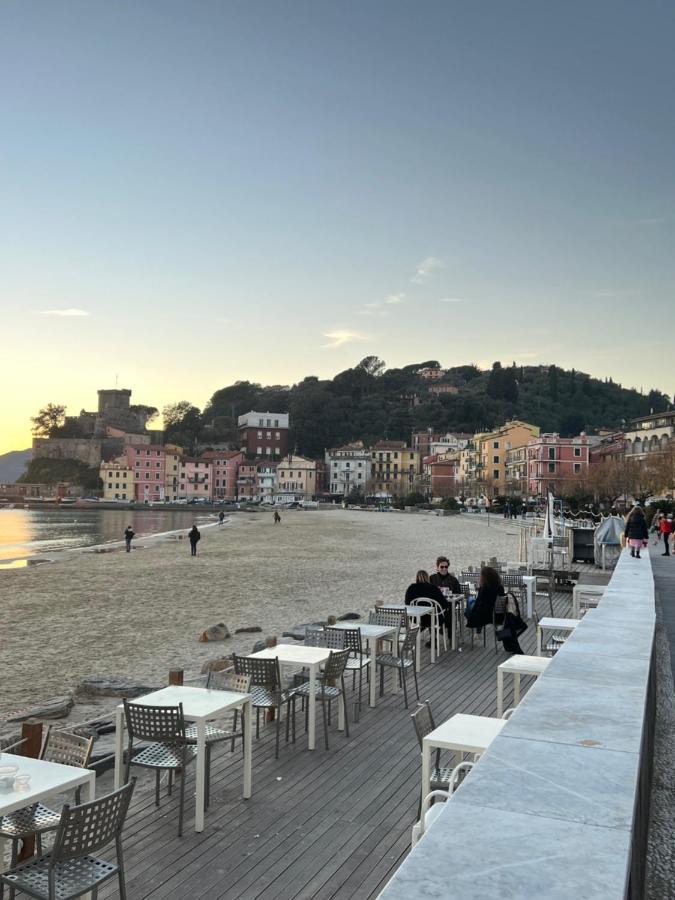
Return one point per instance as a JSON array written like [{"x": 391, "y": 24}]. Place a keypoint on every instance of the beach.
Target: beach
[{"x": 140, "y": 614}]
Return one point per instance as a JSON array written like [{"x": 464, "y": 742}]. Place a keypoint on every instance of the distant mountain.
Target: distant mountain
[{"x": 13, "y": 465}]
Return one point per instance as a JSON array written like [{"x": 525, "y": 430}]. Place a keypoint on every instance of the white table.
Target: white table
[
  {"x": 462, "y": 734},
  {"x": 372, "y": 634},
  {"x": 586, "y": 596},
  {"x": 530, "y": 582},
  {"x": 518, "y": 665},
  {"x": 199, "y": 706},
  {"x": 46, "y": 779},
  {"x": 299, "y": 656},
  {"x": 551, "y": 624}
]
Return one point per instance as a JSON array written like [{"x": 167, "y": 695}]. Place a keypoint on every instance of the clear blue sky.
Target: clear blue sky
[{"x": 266, "y": 190}]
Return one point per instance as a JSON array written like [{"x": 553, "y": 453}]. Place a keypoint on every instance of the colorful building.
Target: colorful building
[
  {"x": 515, "y": 469},
  {"x": 263, "y": 434},
  {"x": 553, "y": 462},
  {"x": 247, "y": 481},
  {"x": 394, "y": 469},
  {"x": 493, "y": 446},
  {"x": 118, "y": 479},
  {"x": 650, "y": 434},
  {"x": 224, "y": 472},
  {"x": 297, "y": 479},
  {"x": 194, "y": 481},
  {"x": 347, "y": 469},
  {"x": 443, "y": 476},
  {"x": 148, "y": 462}
]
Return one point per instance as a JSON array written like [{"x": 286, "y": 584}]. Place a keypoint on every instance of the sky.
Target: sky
[{"x": 194, "y": 192}]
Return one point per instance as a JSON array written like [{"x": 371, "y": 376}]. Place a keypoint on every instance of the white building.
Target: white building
[
  {"x": 347, "y": 469},
  {"x": 296, "y": 479},
  {"x": 448, "y": 443}
]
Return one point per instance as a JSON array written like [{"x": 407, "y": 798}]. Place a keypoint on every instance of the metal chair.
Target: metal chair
[
  {"x": 59, "y": 747},
  {"x": 316, "y": 637},
  {"x": 554, "y": 642},
  {"x": 222, "y": 681},
  {"x": 514, "y": 582},
  {"x": 71, "y": 869},
  {"x": 424, "y": 724},
  {"x": 437, "y": 629},
  {"x": 169, "y": 749},
  {"x": 266, "y": 691},
  {"x": 405, "y": 660},
  {"x": 498, "y": 613},
  {"x": 358, "y": 660},
  {"x": 327, "y": 689},
  {"x": 383, "y": 615}
]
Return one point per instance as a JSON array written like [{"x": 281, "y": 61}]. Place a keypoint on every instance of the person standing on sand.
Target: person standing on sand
[
  {"x": 128, "y": 535},
  {"x": 277, "y": 517},
  {"x": 194, "y": 536},
  {"x": 221, "y": 517}
]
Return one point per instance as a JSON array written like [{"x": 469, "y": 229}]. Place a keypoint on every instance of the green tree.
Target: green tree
[
  {"x": 182, "y": 424},
  {"x": 48, "y": 419}
]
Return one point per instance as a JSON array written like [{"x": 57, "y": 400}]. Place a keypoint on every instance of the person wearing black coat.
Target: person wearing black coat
[
  {"x": 443, "y": 578},
  {"x": 489, "y": 588},
  {"x": 194, "y": 536},
  {"x": 636, "y": 530},
  {"x": 421, "y": 588}
]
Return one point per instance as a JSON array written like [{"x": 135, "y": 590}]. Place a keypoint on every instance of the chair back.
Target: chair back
[
  {"x": 335, "y": 665},
  {"x": 423, "y": 721},
  {"x": 384, "y": 615},
  {"x": 315, "y": 638},
  {"x": 165, "y": 724},
  {"x": 228, "y": 681},
  {"x": 512, "y": 580},
  {"x": 67, "y": 748},
  {"x": 499, "y": 609},
  {"x": 471, "y": 577},
  {"x": 335, "y": 638},
  {"x": 85, "y": 829},
  {"x": 353, "y": 640},
  {"x": 262, "y": 672},
  {"x": 409, "y": 644}
]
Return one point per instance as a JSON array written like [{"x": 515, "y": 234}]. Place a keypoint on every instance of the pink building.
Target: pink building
[
  {"x": 247, "y": 481},
  {"x": 148, "y": 462},
  {"x": 224, "y": 472},
  {"x": 194, "y": 479},
  {"x": 552, "y": 461}
]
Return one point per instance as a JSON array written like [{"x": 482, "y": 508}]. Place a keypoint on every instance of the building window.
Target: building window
[
  {"x": 495, "y": 445},
  {"x": 495, "y": 460},
  {"x": 551, "y": 452},
  {"x": 495, "y": 473},
  {"x": 259, "y": 451},
  {"x": 577, "y": 451},
  {"x": 551, "y": 467},
  {"x": 577, "y": 468}
]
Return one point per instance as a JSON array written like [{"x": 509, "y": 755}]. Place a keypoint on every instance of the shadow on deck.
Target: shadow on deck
[{"x": 325, "y": 824}]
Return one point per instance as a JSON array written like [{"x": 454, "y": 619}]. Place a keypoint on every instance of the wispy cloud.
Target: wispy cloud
[
  {"x": 342, "y": 336},
  {"x": 425, "y": 269},
  {"x": 394, "y": 299},
  {"x": 451, "y": 300},
  {"x": 614, "y": 293},
  {"x": 64, "y": 312},
  {"x": 379, "y": 307}
]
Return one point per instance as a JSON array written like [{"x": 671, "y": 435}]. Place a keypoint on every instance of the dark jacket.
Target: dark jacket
[
  {"x": 419, "y": 589},
  {"x": 636, "y": 527},
  {"x": 194, "y": 535},
  {"x": 480, "y": 613},
  {"x": 446, "y": 581}
]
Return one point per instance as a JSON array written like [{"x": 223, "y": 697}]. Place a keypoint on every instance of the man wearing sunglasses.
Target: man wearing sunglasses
[{"x": 443, "y": 578}]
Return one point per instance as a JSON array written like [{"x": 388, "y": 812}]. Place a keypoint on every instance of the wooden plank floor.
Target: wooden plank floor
[{"x": 326, "y": 824}]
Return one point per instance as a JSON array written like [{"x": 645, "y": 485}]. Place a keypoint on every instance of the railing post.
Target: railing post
[
  {"x": 31, "y": 734},
  {"x": 176, "y": 677}
]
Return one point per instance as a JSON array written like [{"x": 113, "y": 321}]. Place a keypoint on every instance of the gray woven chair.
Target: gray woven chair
[
  {"x": 384, "y": 615},
  {"x": 266, "y": 691},
  {"x": 423, "y": 721},
  {"x": 327, "y": 689},
  {"x": 35, "y": 820},
  {"x": 404, "y": 661},
  {"x": 358, "y": 660},
  {"x": 169, "y": 749},
  {"x": 71, "y": 869},
  {"x": 315, "y": 637}
]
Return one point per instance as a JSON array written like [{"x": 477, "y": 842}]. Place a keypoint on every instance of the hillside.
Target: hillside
[
  {"x": 370, "y": 402},
  {"x": 13, "y": 465}
]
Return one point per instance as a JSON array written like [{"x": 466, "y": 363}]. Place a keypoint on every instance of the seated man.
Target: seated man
[{"x": 444, "y": 579}]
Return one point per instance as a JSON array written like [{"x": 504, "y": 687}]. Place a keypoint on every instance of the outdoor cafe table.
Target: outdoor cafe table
[
  {"x": 46, "y": 779},
  {"x": 552, "y": 624},
  {"x": 372, "y": 634},
  {"x": 199, "y": 706},
  {"x": 461, "y": 733},
  {"x": 311, "y": 658}
]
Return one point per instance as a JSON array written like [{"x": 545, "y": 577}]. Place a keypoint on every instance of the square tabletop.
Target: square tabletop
[
  {"x": 369, "y": 631},
  {"x": 562, "y": 624},
  {"x": 46, "y": 778},
  {"x": 293, "y": 653},
  {"x": 522, "y": 664},
  {"x": 471, "y": 734},
  {"x": 198, "y": 702}
]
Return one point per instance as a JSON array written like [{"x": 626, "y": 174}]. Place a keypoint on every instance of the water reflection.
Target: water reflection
[{"x": 27, "y": 532}]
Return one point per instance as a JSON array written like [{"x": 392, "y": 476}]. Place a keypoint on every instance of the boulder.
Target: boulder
[
  {"x": 54, "y": 708},
  {"x": 112, "y": 686},
  {"x": 259, "y": 645},
  {"x": 248, "y": 629},
  {"x": 216, "y": 665},
  {"x": 219, "y": 632},
  {"x": 297, "y": 633},
  {"x": 347, "y": 617}
]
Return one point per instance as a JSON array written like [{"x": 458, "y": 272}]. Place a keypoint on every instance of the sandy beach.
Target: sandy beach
[{"x": 140, "y": 614}]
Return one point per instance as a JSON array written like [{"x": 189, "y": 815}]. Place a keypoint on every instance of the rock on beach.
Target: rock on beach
[
  {"x": 112, "y": 686},
  {"x": 219, "y": 632}
]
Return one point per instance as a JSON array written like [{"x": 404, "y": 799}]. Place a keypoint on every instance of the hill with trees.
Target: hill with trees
[{"x": 370, "y": 402}]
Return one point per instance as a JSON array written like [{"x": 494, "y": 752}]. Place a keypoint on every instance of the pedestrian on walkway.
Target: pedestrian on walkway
[
  {"x": 666, "y": 528},
  {"x": 636, "y": 530},
  {"x": 221, "y": 517},
  {"x": 194, "y": 536},
  {"x": 128, "y": 535}
]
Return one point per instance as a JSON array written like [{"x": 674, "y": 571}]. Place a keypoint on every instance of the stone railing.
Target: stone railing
[{"x": 558, "y": 805}]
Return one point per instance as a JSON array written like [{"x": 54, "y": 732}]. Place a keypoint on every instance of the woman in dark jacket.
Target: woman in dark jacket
[
  {"x": 636, "y": 530},
  {"x": 489, "y": 588},
  {"x": 421, "y": 588}
]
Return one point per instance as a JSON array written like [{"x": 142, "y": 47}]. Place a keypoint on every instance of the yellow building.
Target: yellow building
[
  {"x": 173, "y": 455},
  {"x": 118, "y": 479},
  {"x": 493, "y": 447},
  {"x": 395, "y": 469},
  {"x": 296, "y": 479}
]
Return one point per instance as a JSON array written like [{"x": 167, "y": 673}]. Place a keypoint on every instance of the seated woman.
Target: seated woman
[
  {"x": 421, "y": 588},
  {"x": 481, "y": 613}
]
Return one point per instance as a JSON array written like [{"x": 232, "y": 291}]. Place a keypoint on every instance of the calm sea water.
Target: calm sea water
[{"x": 25, "y": 533}]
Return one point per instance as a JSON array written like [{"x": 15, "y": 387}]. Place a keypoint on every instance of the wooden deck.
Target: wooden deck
[{"x": 325, "y": 824}]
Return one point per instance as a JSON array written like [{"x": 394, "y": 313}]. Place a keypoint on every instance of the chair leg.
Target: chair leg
[
  {"x": 344, "y": 704},
  {"x": 207, "y": 786},
  {"x": 120, "y": 875},
  {"x": 278, "y": 711},
  {"x": 381, "y": 681},
  {"x": 325, "y": 722},
  {"x": 417, "y": 690},
  {"x": 234, "y": 727},
  {"x": 157, "y": 787},
  {"x": 257, "y": 722},
  {"x": 182, "y": 796},
  {"x": 169, "y": 787},
  {"x": 401, "y": 673},
  {"x": 360, "y": 686}
]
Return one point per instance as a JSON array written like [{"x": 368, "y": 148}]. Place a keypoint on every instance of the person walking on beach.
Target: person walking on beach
[
  {"x": 128, "y": 535},
  {"x": 666, "y": 529},
  {"x": 221, "y": 517},
  {"x": 277, "y": 517},
  {"x": 194, "y": 536},
  {"x": 636, "y": 530}
]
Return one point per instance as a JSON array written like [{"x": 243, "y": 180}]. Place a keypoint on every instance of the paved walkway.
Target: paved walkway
[{"x": 664, "y": 579}]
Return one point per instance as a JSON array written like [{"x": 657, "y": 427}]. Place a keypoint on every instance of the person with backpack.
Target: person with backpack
[
  {"x": 128, "y": 535},
  {"x": 194, "y": 536}
]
